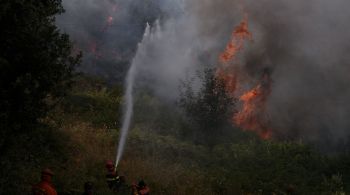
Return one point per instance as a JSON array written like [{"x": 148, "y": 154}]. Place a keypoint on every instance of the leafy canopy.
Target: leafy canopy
[
  {"x": 36, "y": 61},
  {"x": 210, "y": 108}
]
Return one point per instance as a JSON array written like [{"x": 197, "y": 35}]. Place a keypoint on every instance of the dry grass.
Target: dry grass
[{"x": 92, "y": 146}]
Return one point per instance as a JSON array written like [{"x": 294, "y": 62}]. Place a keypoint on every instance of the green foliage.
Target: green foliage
[
  {"x": 340, "y": 166},
  {"x": 155, "y": 114},
  {"x": 36, "y": 68},
  {"x": 255, "y": 167},
  {"x": 269, "y": 167},
  {"x": 75, "y": 143},
  {"x": 34, "y": 150},
  {"x": 91, "y": 100},
  {"x": 333, "y": 185},
  {"x": 75, "y": 138},
  {"x": 210, "y": 108},
  {"x": 36, "y": 64}
]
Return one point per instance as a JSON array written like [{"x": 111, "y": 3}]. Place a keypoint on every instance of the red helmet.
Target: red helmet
[{"x": 109, "y": 164}]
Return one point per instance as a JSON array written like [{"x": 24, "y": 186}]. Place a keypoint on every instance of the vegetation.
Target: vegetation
[
  {"x": 76, "y": 145},
  {"x": 209, "y": 110},
  {"x": 77, "y": 135},
  {"x": 36, "y": 64}
]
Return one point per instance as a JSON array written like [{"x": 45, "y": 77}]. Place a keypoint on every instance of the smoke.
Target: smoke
[
  {"x": 108, "y": 31},
  {"x": 304, "y": 44}
]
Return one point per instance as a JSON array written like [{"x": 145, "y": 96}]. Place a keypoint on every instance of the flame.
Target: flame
[
  {"x": 239, "y": 35},
  {"x": 228, "y": 72},
  {"x": 109, "y": 20},
  {"x": 109, "y": 23},
  {"x": 95, "y": 47},
  {"x": 252, "y": 115},
  {"x": 229, "y": 79}
]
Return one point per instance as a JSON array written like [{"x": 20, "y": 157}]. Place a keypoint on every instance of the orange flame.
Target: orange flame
[
  {"x": 252, "y": 115},
  {"x": 239, "y": 34}
]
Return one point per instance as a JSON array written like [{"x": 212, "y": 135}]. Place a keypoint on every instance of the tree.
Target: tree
[
  {"x": 210, "y": 108},
  {"x": 36, "y": 62}
]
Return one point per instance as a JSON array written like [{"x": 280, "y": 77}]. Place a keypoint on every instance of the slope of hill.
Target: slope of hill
[{"x": 78, "y": 137}]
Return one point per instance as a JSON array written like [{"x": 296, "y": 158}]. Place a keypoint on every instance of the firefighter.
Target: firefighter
[
  {"x": 140, "y": 189},
  {"x": 45, "y": 186},
  {"x": 114, "y": 181}
]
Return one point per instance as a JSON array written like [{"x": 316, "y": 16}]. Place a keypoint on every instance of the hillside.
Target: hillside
[{"x": 78, "y": 137}]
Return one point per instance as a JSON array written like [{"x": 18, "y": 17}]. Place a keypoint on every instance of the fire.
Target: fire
[
  {"x": 252, "y": 116},
  {"x": 239, "y": 35},
  {"x": 228, "y": 72},
  {"x": 229, "y": 79},
  {"x": 108, "y": 24},
  {"x": 110, "y": 20}
]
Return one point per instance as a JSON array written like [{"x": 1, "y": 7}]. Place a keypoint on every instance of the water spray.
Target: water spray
[
  {"x": 129, "y": 104},
  {"x": 128, "y": 112}
]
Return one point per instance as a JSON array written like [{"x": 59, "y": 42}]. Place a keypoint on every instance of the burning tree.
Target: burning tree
[{"x": 252, "y": 114}]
